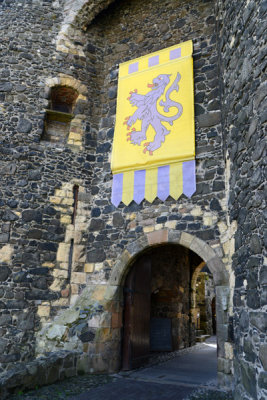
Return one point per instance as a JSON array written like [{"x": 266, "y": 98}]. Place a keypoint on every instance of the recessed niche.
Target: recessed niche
[
  {"x": 57, "y": 126},
  {"x": 59, "y": 115}
]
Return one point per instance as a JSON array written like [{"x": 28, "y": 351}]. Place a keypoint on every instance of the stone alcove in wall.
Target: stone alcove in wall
[
  {"x": 59, "y": 114},
  {"x": 67, "y": 100}
]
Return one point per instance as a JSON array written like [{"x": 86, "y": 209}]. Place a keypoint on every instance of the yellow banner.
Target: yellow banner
[{"x": 155, "y": 112}]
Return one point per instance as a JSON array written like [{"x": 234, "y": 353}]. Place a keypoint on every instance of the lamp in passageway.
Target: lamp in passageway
[{"x": 198, "y": 320}]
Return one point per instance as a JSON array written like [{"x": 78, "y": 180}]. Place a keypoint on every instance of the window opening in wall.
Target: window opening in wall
[
  {"x": 75, "y": 191},
  {"x": 70, "y": 259},
  {"x": 59, "y": 114},
  {"x": 75, "y": 203}
]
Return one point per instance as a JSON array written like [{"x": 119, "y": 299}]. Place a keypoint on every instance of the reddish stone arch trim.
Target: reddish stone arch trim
[{"x": 124, "y": 262}]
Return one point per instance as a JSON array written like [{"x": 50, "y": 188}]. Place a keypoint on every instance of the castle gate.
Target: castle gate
[{"x": 156, "y": 296}]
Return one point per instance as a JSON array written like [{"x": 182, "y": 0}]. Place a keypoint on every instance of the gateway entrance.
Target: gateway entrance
[{"x": 160, "y": 308}]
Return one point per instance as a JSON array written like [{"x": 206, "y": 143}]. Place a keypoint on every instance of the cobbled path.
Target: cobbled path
[
  {"x": 98, "y": 387},
  {"x": 147, "y": 383},
  {"x": 65, "y": 389}
]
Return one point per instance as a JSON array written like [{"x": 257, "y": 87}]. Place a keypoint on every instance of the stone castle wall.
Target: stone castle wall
[
  {"x": 243, "y": 51},
  {"x": 109, "y": 231},
  {"x": 48, "y": 261},
  {"x": 31, "y": 172}
]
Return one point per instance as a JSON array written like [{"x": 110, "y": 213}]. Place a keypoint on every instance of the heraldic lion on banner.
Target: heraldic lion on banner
[{"x": 148, "y": 113}]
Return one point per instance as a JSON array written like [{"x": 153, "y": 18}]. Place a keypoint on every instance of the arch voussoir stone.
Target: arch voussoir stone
[
  {"x": 138, "y": 245},
  {"x": 201, "y": 248},
  {"x": 185, "y": 239},
  {"x": 78, "y": 14},
  {"x": 164, "y": 236},
  {"x": 220, "y": 275},
  {"x": 87, "y": 10},
  {"x": 118, "y": 270}
]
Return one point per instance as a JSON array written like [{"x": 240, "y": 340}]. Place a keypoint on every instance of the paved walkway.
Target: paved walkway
[
  {"x": 171, "y": 380},
  {"x": 189, "y": 372}
]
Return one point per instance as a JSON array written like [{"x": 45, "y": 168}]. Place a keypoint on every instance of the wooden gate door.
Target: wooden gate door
[{"x": 136, "y": 341}]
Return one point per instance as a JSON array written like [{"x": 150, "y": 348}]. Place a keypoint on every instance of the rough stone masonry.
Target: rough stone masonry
[{"x": 64, "y": 248}]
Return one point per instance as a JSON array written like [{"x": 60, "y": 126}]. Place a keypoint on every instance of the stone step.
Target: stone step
[
  {"x": 199, "y": 332},
  {"x": 202, "y": 338}
]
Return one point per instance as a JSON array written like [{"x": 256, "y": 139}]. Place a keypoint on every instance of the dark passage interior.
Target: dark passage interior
[{"x": 168, "y": 296}]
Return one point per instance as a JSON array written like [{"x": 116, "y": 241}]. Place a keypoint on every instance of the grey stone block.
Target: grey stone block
[
  {"x": 96, "y": 256},
  {"x": 119, "y": 270},
  {"x": 220, "y": 275},
  {"x": 137, "y": 246},
  {"x": 263, "y": 355},
  {"x": 96, "y": 224},
  {"x": 244, "y": 320},
  {"x": 24, "y": 126},
  {"x": 259, "y": 320},
  {"x": 255, "y": 244},
  {"x": 224, "y": 365},
  {"x": 263, "y": 298},
  {"x": 4, "y": 273},
  {"x": 226, "y": 381},
  {"x": 118, "y": 220},
  {"x": 250, "y": 354},
  {"x": 186, "y": 239},
  {"x": 263, "y": 275},
  {"x": 6, "y": 87},
  {"x": 263, "y": 380},
  {"x": 7, "y": 168},
  {"x": 4, "y": 237},
  {"x": 222, "y": 295},
  {"x": 174, "y": 236},
  {"x": 210, "y": 119},
  {"x": 202, "y": 249},
  {"x": 10, "y": 216},
  {"x": 85, "y": 197},
  {"x": 248, "y": 375}
]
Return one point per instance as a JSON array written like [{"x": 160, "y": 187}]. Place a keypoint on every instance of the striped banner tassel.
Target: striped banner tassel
[{"x": 168, "y": 180}]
